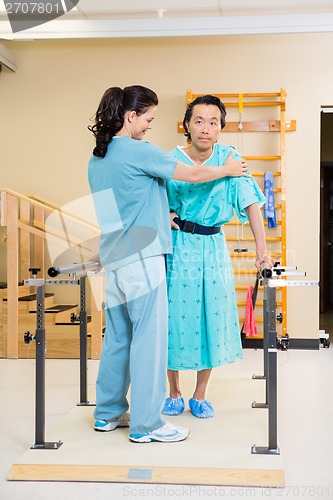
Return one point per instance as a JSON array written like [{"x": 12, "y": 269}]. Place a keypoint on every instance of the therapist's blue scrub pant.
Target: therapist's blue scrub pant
[{"x": 135, "y": 346}]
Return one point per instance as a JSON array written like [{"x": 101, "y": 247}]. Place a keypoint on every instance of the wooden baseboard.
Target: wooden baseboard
[{"x": 154, "y": 475}]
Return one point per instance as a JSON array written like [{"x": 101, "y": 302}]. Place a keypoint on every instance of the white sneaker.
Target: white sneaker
[
  {"x": 106, "y": 426},
  {"x": 166, "y": 434}
]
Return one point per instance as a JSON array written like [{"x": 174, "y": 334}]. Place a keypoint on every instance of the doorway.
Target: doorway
[{"x": 326, "y": 220}]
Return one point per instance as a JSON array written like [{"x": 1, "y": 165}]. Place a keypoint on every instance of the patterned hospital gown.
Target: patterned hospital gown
[{"x": 203, "y": 318}]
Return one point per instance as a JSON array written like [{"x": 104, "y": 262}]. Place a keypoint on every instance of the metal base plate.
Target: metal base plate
[
  {"x": 47, "y": 446},
  {"x": 264, "y": 450},
  {"x": 87, "y": 403},
  {"x": 259, "y": 405}
]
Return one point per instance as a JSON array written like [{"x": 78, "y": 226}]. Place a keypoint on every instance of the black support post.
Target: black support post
[
  {"x": 83, "y": 345},
  {"x": 40, "y": 375},
  {"x": 270, "y": 355},
  {"x": 272, "y": 395}
]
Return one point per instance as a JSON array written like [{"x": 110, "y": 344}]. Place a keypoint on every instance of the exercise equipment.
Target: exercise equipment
[
  {"x": 271, "y": 280},
  {"x": 79, "y": 274}
]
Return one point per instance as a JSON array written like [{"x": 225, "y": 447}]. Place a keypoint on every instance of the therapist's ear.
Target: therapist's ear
[{"x": 130, "y": 116}]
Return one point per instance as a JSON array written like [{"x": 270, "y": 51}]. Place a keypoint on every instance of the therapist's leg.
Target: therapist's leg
[
  {"x": 113, "y": 375},
  {"x": 148, "y": 356},
  {"x": 148, "y": 362}
]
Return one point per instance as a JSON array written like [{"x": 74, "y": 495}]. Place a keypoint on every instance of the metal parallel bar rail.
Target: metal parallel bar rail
[
  {"x": 39, "y": 337},
  {"x": 271, "y": 345}
]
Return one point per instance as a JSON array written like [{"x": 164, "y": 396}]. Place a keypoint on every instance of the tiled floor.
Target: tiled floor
[{"x": 305, "y": 438}]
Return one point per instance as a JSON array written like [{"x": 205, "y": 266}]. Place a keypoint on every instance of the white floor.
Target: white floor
[{"x": 305, "y": 434}]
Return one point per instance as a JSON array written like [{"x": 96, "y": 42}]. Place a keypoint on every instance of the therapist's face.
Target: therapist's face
[{"x": 141, "y": 123}]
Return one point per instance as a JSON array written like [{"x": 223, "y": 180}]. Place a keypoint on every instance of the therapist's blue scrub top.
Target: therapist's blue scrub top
[{"x": 132, "y": 209}]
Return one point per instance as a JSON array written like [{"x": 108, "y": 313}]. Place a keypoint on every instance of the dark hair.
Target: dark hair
[
  {"x": 204, "y": 99},
  {"x": 109, "y": 118}
]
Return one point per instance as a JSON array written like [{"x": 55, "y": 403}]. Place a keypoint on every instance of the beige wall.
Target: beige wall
[{"x": 45, "y": 108}]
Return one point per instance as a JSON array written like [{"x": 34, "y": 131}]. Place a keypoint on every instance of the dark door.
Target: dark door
[
  {"x": 325, "y": 243},
  {"x": 326, "y": 208}
]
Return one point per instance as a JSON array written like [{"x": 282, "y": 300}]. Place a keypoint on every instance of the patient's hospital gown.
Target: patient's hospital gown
[{"x": 203, "y": 318}]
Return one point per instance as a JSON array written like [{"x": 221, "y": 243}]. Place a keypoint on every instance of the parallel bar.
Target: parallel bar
[
  {"x": 270, "y": 375},
  {"x": 83, "y": 342},
  {"x": 78, "y": 268},
  {"x": 272, "y": 402},
  {"x": 83, "y": 346},
  {"x": 270, "y": 340},
  {"x": 40, "y": 443},
  {"x": 40, "y": 368},
  {"x": 286, "y": 283}
]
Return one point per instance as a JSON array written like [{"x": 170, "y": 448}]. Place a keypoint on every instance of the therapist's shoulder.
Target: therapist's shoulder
[
  {"x": 148, "y": 147},
  {"x": 174, "y": 151}
]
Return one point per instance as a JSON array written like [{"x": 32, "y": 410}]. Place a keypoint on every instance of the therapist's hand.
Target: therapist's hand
[
  {"x": 235, "y": 168},
  {"x": 172, "y": 222}
]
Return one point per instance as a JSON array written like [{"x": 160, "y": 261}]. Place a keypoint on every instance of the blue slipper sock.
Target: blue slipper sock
[
  {"x": 173, "y": 406},
  {"x": 201, "y": 409}
]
